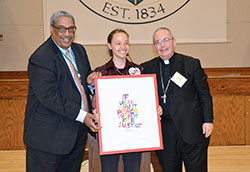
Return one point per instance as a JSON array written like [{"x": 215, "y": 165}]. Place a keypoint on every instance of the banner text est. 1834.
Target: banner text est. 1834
[{"x": 140, "y": 13}]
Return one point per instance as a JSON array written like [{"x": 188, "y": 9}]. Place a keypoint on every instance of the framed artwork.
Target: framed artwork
[{"x": 128, "y": 114}]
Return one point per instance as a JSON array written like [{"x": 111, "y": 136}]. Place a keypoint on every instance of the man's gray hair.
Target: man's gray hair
[
  {"x": 58, "y": 14},
  {"x": 162, "y": 28}
]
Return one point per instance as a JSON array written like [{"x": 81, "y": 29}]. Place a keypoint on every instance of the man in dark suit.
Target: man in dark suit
[
  {"x": 58, "y": 108},
  {"x": 187, "y": 120}
]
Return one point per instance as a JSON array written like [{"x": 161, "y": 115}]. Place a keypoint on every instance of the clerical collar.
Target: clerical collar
[{"x": 166, "y": 61}]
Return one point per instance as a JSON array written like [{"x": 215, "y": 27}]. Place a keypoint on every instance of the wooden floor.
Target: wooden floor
[{"x": 221, "y": 159}]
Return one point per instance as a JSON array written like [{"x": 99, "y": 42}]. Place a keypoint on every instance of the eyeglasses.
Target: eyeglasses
[
  {"x": 62, "y": 29},
  {"x": 165, "y": 40}
]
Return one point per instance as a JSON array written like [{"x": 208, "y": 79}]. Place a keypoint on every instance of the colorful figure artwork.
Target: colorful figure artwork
[{"x": 128, "y": 113}]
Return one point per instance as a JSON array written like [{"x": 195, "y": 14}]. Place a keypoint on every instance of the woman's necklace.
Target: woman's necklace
[{"x": 120, "y": 71}]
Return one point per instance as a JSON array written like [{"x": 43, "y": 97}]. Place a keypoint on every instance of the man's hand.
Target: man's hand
[
  {"x": 207, "y": 129},
  {"x": 159, "y": 111},
  {"x": 91, "y": 77},
  {"x": 91, "y": 121}
]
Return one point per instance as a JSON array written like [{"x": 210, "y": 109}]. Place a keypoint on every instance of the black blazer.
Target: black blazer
[
  {"x": 191, "y": 105},
  {"x": 53, "y": 100}
]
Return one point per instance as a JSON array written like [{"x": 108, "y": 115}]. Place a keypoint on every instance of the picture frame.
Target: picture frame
[{"x": 128, "y": 114}]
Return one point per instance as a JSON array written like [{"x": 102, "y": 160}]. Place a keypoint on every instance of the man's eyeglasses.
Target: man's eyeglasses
[
  {"x": 62, "y": 29},
  {"x": 165, "y": 40}
]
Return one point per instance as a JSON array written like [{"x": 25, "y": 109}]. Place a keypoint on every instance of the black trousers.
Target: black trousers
[
  {"x": 176, "y": 151},
  {"x": 39, "y": 161},
  {"x": 131, "y": 162}
]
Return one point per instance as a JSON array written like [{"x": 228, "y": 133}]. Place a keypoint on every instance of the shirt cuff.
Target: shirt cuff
[
  {"x": 208, "y": 121},
  {"x": 81, "y": 116}
]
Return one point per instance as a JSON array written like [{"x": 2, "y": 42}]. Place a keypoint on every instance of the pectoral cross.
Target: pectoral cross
[{"x": 164, "y": 97}]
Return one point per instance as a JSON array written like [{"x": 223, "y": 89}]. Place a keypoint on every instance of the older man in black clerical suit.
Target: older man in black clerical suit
[{"x": 187, "y": 120}]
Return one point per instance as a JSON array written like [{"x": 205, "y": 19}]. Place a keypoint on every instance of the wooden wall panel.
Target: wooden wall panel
[
  {"x": 229, "y": 85},
  {"x": 229, "y": 120},
  {"x": 13, "y": 75},
  {"x": 14, "y": 88},
  {"x": 11, "y": 123},
  {"x": 231, "y": 97},
  {"x": 248, "y": 120},
  {"x": 13, "y": 97},
  {"x": 224, "y": 72}
]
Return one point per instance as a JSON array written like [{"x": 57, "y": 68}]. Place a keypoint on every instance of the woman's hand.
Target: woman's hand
[{"x": 91, "y": 77}]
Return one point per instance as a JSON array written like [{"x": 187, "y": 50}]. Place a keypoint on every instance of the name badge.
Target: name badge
[{"x": 178, "y": 79}]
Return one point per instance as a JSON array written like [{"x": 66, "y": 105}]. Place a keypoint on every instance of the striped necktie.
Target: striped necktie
[{"x": 83, "y": 95}]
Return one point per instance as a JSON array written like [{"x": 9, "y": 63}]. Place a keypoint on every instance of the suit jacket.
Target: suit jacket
[
  {"x": 53, "y": 100},
  {"x": 191, "y": 105}
]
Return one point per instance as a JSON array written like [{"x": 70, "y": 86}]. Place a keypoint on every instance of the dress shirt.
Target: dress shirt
[{"x": 82, "y": 114}]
